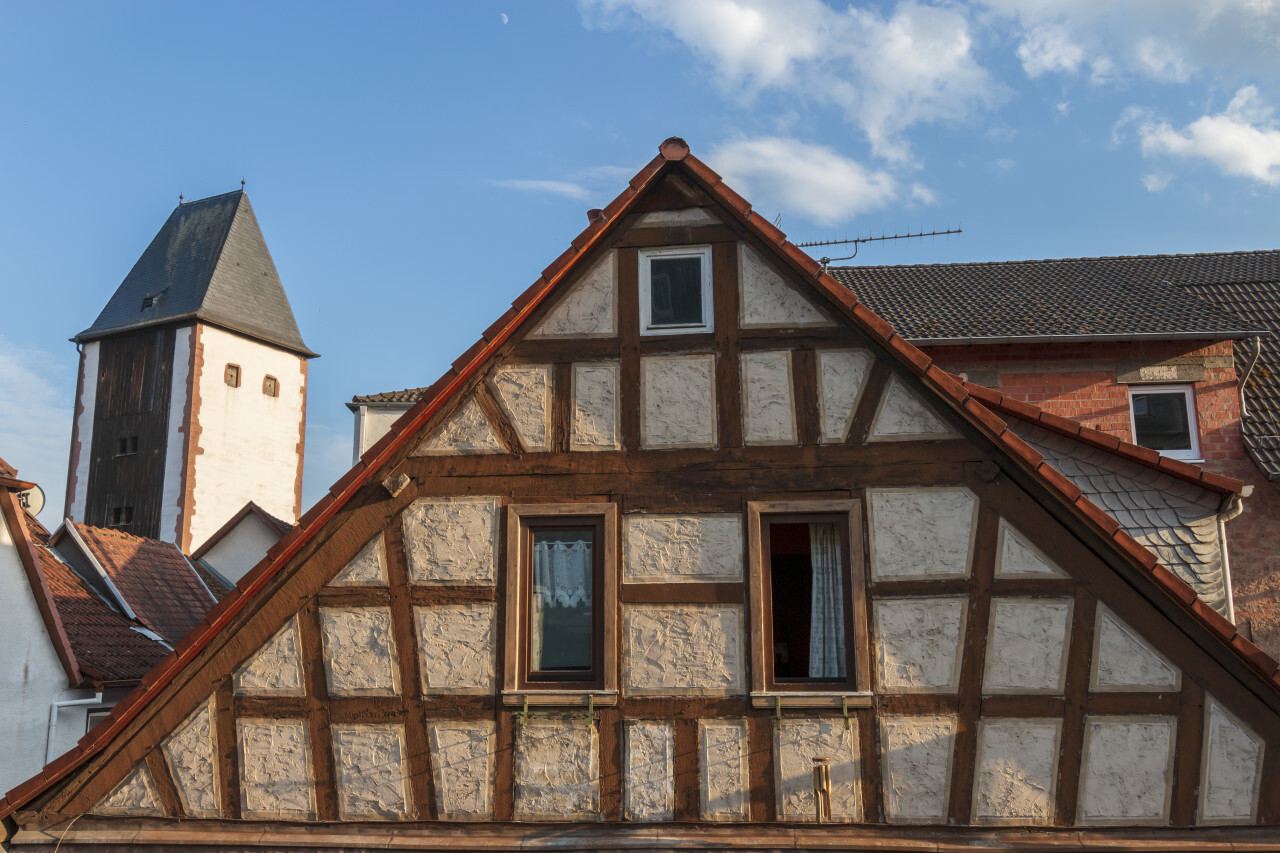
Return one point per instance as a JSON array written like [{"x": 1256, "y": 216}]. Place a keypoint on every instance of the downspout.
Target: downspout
[
  {"x": 54, "y": 708},
  {"x": 1234, "y": 507},
  {"x": 1257, "y": 354}
]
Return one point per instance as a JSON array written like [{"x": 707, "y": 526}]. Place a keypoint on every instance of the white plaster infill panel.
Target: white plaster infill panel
[
  {"x": 276, "y": 668},
  {"x": 456, "y": 648},
  {"x": 190, "y": 753},
  {"x": 557, "y": 771},
  {"x": 683, "y": 650},
  {"x": 593, "y": 410},
  {"x": 1018, "y": 558},
  {"x": 1123, "y": 661},
  {"x": 452, "y": 541},
  {"x": 842, "y": 374},
  {"x": 1230, "y": 768},
  {"x": 524, "y": 392},
  {"x": 795, "y": 744},
  {"x": 682, "y": 548},
  {"x": 768, "y": 408},
  {"x": 921, "y": 533},
  {"x": 1128, "y": 770},
  {"x": 1015, "y": 782},
  {"x": 677, "y": 401},
  {"x": 918, "y": 643},
  {"x": 359, "y": 651},
  {"x": 903, "y": 416},
  {"x": 767, "y": 300},
  {"x": 275, "y": 770},
  {"x": 683, "y": 216},
  {"x": 368, "y": 568},
  {"x": 136, "y": 796},
  {"x": 917, "y": 768},
  {"x": 372, "y": 767},
  {"x": 1027, "y": 645},
  {"x": 724, "y": 793},
  {"x": 649, "y": 765},
  {"x": 462, "y": 765},
  {"x": 587, "y": 309},
  {"x": 467, "y": 432}
]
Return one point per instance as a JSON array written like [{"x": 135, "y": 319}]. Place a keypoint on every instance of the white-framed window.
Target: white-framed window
[
  {"x": 1164, "y": 419},
  {"x": 675, "y": 290}
]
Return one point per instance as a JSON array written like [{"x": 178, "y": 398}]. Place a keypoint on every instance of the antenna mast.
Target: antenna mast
[{"x": 857, "y": 240}]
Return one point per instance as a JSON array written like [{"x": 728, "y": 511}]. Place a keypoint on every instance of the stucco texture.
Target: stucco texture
[
  {"x": 593, "y": 415},
  {"x": 916, "y": 763},
  {"x": 1027, "y": 645},
  {"x": 1016, "y": 774},
  {"x": 367, "y": 568},
  {"x": 921, "y": 533},
  {"x": 1231, "y": 769},
  {"x": 1128, "y": 769},
  {"x": 796, "y": 743},
  {"x": 649, "y": 770},
  {"x": 725, "y": 793},
  {"x": 373, "y": 772},
  {"x": 682, "y": 548},
  {"x": 903, "y": 416},
  {"x": 841, "y": 376},
  {"x": 466, "y": 432},
  {"x": 275, "y": 770},
  {"x": 768, "y": 410},
  {"x": 687, "y": 650},
  {"x": 462, "y": 765},
  {"x": 451, "y": 541},
  {"x": 524, "y": 392},
  {"x": 767, "y": 300},
  {"x": 557, "y": 770},
  {"x": 1123, "y": 660},
  {"x": 135, "y": 796},
  {"x": 918, "y": 642},
  {"x": 359, "y": 651},
  {"x": 587, "y": 309},
  {"x": 456, "y": 648},
  {"x": 678, "y": 394},
  {"x": 276, "y": 668},
  {"x": 1017, "y": 558},
  {"x": 190, "y": 752}
]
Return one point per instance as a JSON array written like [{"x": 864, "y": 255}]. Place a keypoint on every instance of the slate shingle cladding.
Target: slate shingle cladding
[{"x": 1176, "y": 520}]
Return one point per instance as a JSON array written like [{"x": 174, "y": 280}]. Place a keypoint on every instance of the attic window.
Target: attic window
[
  {"x": 121, "y": 516},
  {"x": 270, "y": 386},
  {"x": 127, "y": 445},
  {"x": 231, "y": 375},
  {"x": 675, "y": 290},
  {"x": 1164, "y": 419},
  {"x": 149, "y": 302}
]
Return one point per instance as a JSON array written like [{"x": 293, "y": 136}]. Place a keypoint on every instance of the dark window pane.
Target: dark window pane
[
  {"x": 675, "y": 290},
  {"x": 560, "y": 612},
  {"x": 807, "y": 598},
  {"x": 1161, "y": 421}
]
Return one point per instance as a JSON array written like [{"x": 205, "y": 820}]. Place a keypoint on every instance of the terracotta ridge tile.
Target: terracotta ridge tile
[
  {"x": 674, "y": 148},
  {"x": 473, "y": 353},
  {"x": 1215, "y": 620},
  {"x": 1064, "y": 486},
  {"x": 947, "y": 383},
  {"x": 909, "y": 353},
  {"x": 1057, "y": 423},
  {"x": 770, "y": 232},
  {"x": 557, "y": 266},
  {"x": 873, "y": 323},
  {"x": 1174, "y": 585},
  {"x": 984, "y": 416},
  {"x": 1138, "y": 552},
  {"x": 1020, "y": 449},
  {"x": 649, "y": 171},
  {"x": 317, "y": 510},
  {"x": 1096, "y": 514},
  {"x": 702, "y": 170},
  {"x": 989, "y": 396},
  {"x": 355, "y": 473}
]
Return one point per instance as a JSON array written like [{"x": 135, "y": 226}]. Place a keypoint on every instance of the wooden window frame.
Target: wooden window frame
[
  {"x": 646, "y": 292},
  {"x": 275, "y": 392},
  {"x": 765, "y": 692},
  {"x": 602, "y": 689},
  {"x": 1188, "y": 392},
  {"x": 226, "y": 371}
]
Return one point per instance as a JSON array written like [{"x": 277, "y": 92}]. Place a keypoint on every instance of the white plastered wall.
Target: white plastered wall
[
  {"x": 371, "y": 423},
  {"x": 248, "y": 441},
  {"x": 242, "y": 548},
  {"x": 83, "y": 440},
  {"x": 175, "y": 456}
]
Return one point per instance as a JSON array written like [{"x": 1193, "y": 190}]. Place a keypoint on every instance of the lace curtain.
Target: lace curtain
[
  {"x": 826, "y": 625},
  {"x": 562, "y": 572}
]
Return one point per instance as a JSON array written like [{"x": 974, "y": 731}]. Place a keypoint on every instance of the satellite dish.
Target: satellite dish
[{"x": 32, "y": 500}]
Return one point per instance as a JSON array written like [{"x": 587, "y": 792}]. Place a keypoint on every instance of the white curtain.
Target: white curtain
[
  {"x": 826, "y": 631},
  {"x": 562, "y": 572}
]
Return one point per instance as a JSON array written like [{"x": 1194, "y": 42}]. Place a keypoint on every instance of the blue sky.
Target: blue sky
[{"x": 414, "y": 166}]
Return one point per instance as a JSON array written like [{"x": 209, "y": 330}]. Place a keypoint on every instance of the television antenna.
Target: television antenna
[{"x": 856, "y": 241}]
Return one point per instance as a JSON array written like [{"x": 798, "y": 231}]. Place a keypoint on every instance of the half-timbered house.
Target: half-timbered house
[{"x": 686, "y": 522}]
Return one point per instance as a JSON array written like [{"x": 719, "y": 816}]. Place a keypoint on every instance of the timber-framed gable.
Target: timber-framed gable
[{"x": 1006, "y": 660}]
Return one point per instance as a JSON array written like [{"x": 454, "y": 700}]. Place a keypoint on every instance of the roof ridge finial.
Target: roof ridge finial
[
  {"x": 242, "y": 185},
  {"x": 179, "y": 199}
]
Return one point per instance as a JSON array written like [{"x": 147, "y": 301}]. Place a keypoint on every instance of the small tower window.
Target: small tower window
[
  {"x": 126, "y": 445},
  {"x": 270, "y": 386},
  {"x": 232, "y": 375},
  {"x": 148, "y": 302},
  {"x": 121, "y": 516}
]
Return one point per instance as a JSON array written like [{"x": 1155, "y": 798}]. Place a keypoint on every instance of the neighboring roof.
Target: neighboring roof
[
  {"x": 1140, "y": 566},
  {"x": 156, "y": 582},
  {"x": 408, "y": 396},
  {"x": 105, "y": 641},
  {"x": 208, "y": 262},
  {"x": 277, "y": 524},
  {"x": 1255, "y": 296},
  {"x": 1121, "y": 298}
]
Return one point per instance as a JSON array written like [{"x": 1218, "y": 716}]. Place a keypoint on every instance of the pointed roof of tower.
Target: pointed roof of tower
[{"x": 208, "y": 262}]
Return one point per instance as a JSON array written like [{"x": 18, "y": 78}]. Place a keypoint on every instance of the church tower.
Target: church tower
[{"x": 192, "y": 392}]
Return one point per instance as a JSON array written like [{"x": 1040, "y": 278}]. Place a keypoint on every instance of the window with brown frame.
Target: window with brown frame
[
  {"x": 270, "y": 386},
  {"x": 231, "y": 375},
  {"x": 808, "y": 602},
  {"x": 562, "y": 599}
]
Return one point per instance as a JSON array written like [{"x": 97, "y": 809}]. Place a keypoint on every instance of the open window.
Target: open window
[
  {"x": 808, "y": 604},
  {"x": 1164, "y": 419},
  {"x": 562, "y": 601},
  {"x": 675, "y": 290}
]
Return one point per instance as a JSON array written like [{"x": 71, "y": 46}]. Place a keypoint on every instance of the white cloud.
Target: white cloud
[
  {"x": 1243, "y": 140},
  {"x": 1049, "y": 48},
  {"x": 1162, "y": 61},
  {"x": 1156, "y": 181},
  {"x": 564, "y": 188},
  {"x": 923, "y": 195},
  {"x": 887, "y": 73},
  {"x": 36, "y": 397},
  {"x": 811, "y": 181},
  {"x": 1062, "y": 108}
]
